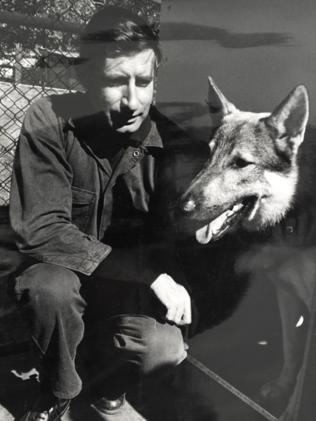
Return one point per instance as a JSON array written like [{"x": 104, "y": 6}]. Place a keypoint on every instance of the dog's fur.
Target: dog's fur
[{"x": 253, "y": 206}]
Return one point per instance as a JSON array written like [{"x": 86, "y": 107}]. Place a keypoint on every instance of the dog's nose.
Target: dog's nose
[{"x": 189, "y": 205}]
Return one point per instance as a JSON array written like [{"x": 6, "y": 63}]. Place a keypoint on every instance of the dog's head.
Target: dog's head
[{"x": 251, "y": 176}]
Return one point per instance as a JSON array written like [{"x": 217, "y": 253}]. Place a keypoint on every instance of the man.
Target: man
[{"x": 85, "y": 184}]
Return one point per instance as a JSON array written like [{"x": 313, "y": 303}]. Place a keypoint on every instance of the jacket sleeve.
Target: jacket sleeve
[{"x": 41, "y": 197}]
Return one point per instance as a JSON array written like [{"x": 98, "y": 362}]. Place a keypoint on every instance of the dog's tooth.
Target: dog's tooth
[
  {"x": 300, "y": 321},
  {"x": 233, "y": 210},
  {"x": 216, "y": 225},
  {"x": 237, "y": 207},
  {"x": 254, "y": 209},
  {"x": 204, "y": 234}
]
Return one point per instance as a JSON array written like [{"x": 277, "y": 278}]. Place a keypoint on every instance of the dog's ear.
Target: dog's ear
[
  {"x": 288, "y": 121},
  {"x": 218, "y": 104}
]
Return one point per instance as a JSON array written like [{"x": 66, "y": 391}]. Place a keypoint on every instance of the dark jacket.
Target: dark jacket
[{"x": 78, "y": 189}]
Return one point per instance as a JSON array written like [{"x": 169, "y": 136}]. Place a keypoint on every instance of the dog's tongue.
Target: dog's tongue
[
  {"x": 204, "y": 235},
  {"x": 207, "y": 232}
]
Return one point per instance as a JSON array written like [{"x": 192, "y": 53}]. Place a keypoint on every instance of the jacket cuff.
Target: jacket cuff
[{"x": 79, "y": 263}]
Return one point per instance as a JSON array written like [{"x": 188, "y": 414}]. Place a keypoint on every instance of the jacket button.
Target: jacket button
[
  {"x": 290, "y": 229},
  {"x": 136, "y": 153}
]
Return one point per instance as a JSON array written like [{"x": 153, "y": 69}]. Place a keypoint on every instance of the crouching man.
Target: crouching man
[{"x": 83, "y": 189}]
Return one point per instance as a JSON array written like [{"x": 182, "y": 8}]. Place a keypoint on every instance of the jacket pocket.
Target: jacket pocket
[{"x": 82, "y": 207}]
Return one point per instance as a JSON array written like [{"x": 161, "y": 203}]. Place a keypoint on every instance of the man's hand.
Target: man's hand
[{"x": 175, "y": 297}]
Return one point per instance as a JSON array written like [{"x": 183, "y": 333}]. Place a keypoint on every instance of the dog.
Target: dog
[{"x": 252, "y": 212}]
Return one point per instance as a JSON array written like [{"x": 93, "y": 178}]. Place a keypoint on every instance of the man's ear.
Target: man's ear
[
  {"x": 217, "y": 102},
  {"x": 288, "y": 121}
]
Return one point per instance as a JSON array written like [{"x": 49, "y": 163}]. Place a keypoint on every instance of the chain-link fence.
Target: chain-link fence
[{"x": 38, "y": 50}]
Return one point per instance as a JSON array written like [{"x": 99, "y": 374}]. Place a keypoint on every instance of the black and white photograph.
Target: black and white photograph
[{"x": 157, "y": 210}]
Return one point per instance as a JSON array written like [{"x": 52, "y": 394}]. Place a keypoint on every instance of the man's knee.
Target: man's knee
[
  {"x": 154, "y": 346},
  {"x": 164, "y": 346},
  {"x": 48, "y": 284}
]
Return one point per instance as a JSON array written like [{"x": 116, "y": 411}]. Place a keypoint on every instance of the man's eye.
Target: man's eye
[
  {"x": 114, "y": 81},
  {"x": 143, "y": 82}
]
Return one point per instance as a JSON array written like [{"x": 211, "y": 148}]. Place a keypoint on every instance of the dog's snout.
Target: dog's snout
[{"x": 189, "y": 205}]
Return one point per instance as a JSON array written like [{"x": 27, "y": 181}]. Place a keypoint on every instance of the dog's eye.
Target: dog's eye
[{"x": 240, "y": 163}]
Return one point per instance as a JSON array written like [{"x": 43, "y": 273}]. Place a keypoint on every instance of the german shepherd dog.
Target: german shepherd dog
[{"x": 252, "y": 203}]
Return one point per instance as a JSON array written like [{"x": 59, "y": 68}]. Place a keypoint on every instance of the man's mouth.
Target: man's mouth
[
  {"x": 132, "y": 119},
  {"x": 126, "y": 119},
  {"x": 216, "y": 228}
]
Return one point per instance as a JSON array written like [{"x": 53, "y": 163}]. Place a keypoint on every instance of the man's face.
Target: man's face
[{"x": 124, "y": 89}]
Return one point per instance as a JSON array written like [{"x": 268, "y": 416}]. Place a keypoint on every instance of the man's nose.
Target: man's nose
[{"x": 130, "y": 98}]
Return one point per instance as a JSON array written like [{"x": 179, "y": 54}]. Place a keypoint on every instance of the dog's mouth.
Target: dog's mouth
[{"x": 215, "y": 229}]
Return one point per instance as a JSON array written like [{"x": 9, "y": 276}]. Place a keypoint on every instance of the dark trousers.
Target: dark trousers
[{"x": 123, "y": 334}]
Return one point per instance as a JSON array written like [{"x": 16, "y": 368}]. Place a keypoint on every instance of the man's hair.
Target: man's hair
[{"x": 114, "y": 31}]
